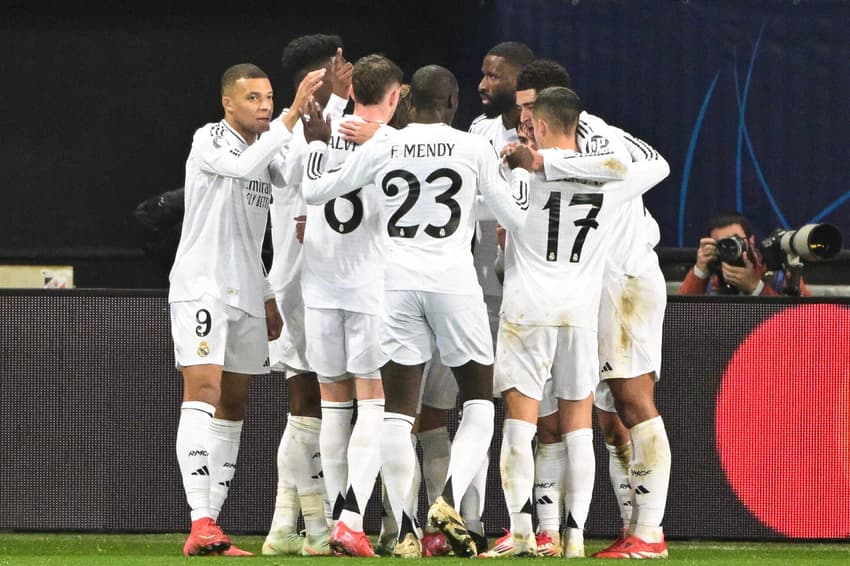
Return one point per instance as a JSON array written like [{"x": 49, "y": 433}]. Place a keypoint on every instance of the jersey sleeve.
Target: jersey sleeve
[
  {"x": 359, "y": 169},
  {"x": 335, "y": 106},
  {"x": 598, "y": 167},
  {"x": 642, "y": 176},
  {"x": 218, "y": 157},
  {"x": 508, "y": 202}
]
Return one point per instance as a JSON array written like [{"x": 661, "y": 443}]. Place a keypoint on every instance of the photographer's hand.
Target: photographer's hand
[
  {"x": 706, "y": 253},
  {"x": 744, "y": 278}
]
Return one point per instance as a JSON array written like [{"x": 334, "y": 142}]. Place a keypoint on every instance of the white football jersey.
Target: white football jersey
[
  {"x": 427, "y": 176},
  {"x": 554, "y": 265},
  {"x": 343, "y": 266},
  {"x": 494, "y": 131},
  {"x": 227, "y": 195},
  {"x": 288, "y": 204},
  {"x": 637, "y": 231}
]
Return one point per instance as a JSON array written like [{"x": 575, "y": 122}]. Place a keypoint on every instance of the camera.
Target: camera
[
  {"x": 813, "y": 242},
  {"x": 731, "y": 250}
]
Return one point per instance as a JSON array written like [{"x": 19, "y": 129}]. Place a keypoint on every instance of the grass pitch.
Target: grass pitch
[{"x": 165, "y": 549}]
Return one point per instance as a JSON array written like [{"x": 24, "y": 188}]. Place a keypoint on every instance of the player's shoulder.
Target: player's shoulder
[
  {"x": 213, "y": 134},
  {"x": 480, "y": 123}
]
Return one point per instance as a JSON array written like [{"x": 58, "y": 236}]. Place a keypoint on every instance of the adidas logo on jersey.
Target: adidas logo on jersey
[{"x": 606, "y": 367}]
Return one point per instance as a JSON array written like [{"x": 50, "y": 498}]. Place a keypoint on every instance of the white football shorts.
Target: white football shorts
[
  {"x": 343, "y": 344},
  {"x": 208, "y": 331},
  {"x": 289, "y": 352},
  {"x": 526, "y": 357},
  {"x": 631, "y": 319},
  {"x": 415, "y": 320}
]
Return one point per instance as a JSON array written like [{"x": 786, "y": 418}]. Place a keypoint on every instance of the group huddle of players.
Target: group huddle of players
[{"x": 373, "y": 299}]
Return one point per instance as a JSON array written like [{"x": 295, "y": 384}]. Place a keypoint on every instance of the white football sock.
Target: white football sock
[
  {"x": 436, "y": 451},
  {"x": 470, "y": 446},
  {"x": 224, "y": 451},
  {"x": 650, "y": 473},
  {"x": 472, "y": 504},
  {"x": 192, "y": 455},
  {"x": 364, "y": 461},
  {"x": 287, "y": 506},
  {"x": 517, "y": 468},
  {"x": 579, "y": 477},
  {"x": 306, "y": 464},
  {"x": 618, "y": 472},
  {"x": 398, "y": 460},
  {"x": 333, "y": 441},
  {"x": 416, "y": 483},
  {"x": 549, "y": 464}
]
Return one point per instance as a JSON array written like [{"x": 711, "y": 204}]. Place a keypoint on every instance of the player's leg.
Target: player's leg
[
  {"x": 549, "y": 464},
  {"x": 283, "y": 537},
  {"x": 362, "y": 347},
  {"x": 575, "y": 373},
  {"x": 633, "y": 349},
  {"x": 199, "y": 331},
  {"x": 246, "y": 355},
  {"x": 407, "y": 342},
  {"x": 326, "y": 354},
  {"x": 519, "y": 375},
  {"x": 462, "y": 331},
  {"x": 619, "y": 446},
  {"x": 398, "y": 457},
  {"x": 439, "y": 394},
  {"x": 305, "y": 460}
]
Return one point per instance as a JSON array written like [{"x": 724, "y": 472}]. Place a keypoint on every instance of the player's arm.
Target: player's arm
[
  {"x": 219, "y": 158},
  {"x": 359, "y": 169},
  {"x": 595, "y": 167},
  {"x": 507, "y": 201},
  {"x": 641, "y": 177}
]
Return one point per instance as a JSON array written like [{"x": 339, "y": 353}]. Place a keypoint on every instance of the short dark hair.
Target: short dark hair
[
  {"x": 560, "y": 106},
  {"x": 307, "y": 53},
  {"x": 430, "y": 86},
  {"x": 514, "y": 52},
  {"x": 404, "y": 112},
  {"x": 541, "y": 74},
  {"x": 241, "y": 71},
  {"x": 373, "y": 76},
  {"x": 725, "y": 219}
]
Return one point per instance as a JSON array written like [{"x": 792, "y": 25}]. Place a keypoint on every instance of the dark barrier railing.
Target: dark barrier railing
[{"x": 755, "y": 395}]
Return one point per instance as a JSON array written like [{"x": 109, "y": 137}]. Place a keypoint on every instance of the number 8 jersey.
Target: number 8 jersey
[
  {"x": 427, "y": 177},
  {"x": 343, "y": 257}
]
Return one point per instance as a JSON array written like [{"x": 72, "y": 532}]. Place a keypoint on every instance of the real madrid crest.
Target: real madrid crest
[{"x": 203, "y": 349}]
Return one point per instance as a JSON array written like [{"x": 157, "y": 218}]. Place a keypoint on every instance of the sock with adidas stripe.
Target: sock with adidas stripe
[{"x": 192, "y": 455}]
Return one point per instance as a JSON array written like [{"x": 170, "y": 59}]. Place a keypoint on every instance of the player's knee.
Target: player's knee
[{"x": 305, "y": 399}]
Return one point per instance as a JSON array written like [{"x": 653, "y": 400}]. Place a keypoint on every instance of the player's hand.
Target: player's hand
[
  {"x": 501, "y": 235},
  {"x": 305, "y": 91},
  {"x": 341, "y": 79},
  {"x": 744, "y": 278},
  {"x": 316, "y": 126},
  {"x": 274, "y": 322},
  {"x": 706, "y": 253},
  {"x": 520, "y": 156},
  {"x": 358, "y": 132},
  {"x": 300, "y": 225}
]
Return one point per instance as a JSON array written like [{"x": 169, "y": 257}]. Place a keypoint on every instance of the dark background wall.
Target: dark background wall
[{"x": 747, "y": 100}]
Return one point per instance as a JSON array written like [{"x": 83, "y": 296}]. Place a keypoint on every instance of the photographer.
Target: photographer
[{"x": 746, "y": 276}]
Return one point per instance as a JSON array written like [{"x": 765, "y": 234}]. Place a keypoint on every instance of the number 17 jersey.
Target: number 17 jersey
[{"x": 554, "y": 264}]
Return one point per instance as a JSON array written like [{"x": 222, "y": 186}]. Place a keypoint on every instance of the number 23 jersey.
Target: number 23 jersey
[{"x": 427, "y": 176}]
